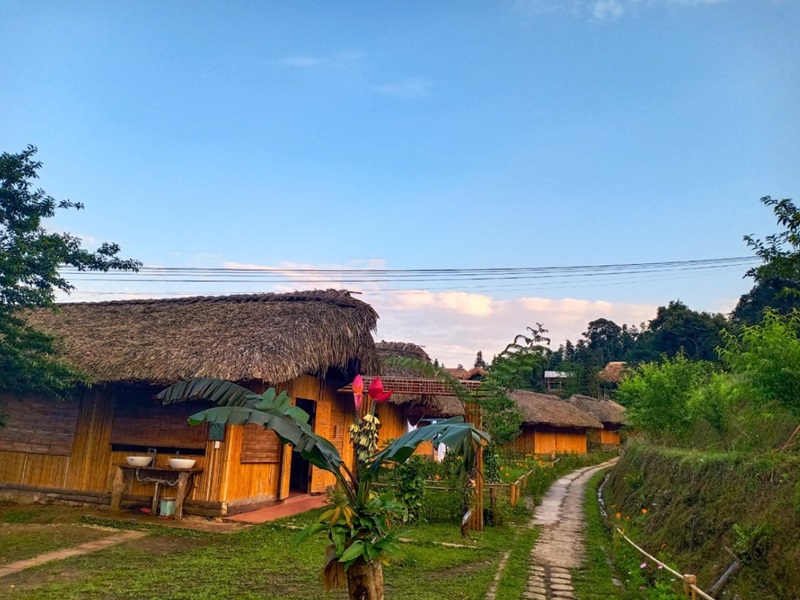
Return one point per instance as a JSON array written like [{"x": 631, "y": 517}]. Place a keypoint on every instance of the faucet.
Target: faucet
[{"x": 154, "y": 452}]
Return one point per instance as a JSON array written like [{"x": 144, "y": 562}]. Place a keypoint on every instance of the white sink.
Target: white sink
[
  {"x": 181, "y": 463},
  {"x": 138, "y": 461}
]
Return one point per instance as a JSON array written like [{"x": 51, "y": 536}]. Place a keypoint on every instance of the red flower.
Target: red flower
[
  {"x": 376, "y": 391},
  {"x": 358, "y": 391}
]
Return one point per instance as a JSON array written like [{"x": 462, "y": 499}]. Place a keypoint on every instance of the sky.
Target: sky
[{"x": 415, "y": 135}]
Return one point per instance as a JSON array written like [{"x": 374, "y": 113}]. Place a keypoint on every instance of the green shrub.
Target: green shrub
[
  {"x": 657, "y": 396},
  {"x": 411, "y": 486}
]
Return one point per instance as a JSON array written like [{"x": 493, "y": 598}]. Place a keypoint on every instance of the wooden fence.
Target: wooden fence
[{"x": 514, "y": 491}]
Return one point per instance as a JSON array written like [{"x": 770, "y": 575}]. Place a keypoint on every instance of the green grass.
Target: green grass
[
  {"x": 515, "y": 575},
  {"x": 262, "y": 562},
  {"x": 20, "y": 542},
  {"x": 593, "y": 581},
  {"x": 697, "y": 501}
]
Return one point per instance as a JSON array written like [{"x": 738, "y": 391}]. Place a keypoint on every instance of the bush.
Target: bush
[{"x": 657, "y": 396}]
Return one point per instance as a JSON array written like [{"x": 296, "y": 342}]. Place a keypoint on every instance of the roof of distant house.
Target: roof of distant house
[
  {"x": 547, "y": 409},
  {"x": 604, "y": 410},
  {"x": 613, "y": 371},
  {"x": 557, "y": 374}
]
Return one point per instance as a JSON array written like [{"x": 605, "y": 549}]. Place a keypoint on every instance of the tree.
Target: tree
[
  {"x": 604, "y": 340},
  {"x": 777, "y": 279},
  {"x": 677, "y": 329},
  {"x": 479, "y": 362},
  {"x": 657, "y": 395},
  {"x": 768, "y": 293},
  {"x": 30, "y": 259},
  {"x": 768, "y": 356},
  {"x": 359, "y": 529},
  {"x": 779, "y": 252}
]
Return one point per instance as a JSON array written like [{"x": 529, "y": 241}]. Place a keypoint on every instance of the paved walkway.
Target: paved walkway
[
  {"x": 112, "y": 540},
  {"x": 560, "y": 547},
  {"x": 287, "y": 508}
]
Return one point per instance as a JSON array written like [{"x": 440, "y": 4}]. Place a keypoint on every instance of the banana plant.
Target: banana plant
[{"x": 360, "y": 529}]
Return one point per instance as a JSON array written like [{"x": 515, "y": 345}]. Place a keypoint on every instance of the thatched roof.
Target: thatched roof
[
  {"x": 270, "y": 337},
  {"x": 390, "y": 350},
  {"x": 613, "y": 372},
  {"x": 606, "y": 411},
  {"x": 546, "y": 409},
  {"x": 436, "y": 406}
]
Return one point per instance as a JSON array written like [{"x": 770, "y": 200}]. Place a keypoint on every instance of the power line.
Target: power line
[{"x": 343, "y": 276}]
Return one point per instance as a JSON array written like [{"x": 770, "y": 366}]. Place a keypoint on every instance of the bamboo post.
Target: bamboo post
[
  {"x": 493, "y": 503},
  {"x": 689, "y": 581},
  {"x": 473, "y": 415}
]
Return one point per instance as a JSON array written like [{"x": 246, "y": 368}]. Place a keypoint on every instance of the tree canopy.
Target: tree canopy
[{"x": 30, "y": 259}]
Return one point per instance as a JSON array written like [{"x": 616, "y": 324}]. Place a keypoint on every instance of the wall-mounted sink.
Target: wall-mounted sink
[
  {"x": 182, "y": 463},
  {"x": 139, "y": 461}
]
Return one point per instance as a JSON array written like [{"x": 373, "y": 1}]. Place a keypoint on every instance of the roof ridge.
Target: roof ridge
[{"x": 330, "y": 296}]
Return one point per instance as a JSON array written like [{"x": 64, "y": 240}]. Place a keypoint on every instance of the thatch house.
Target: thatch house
[
  {"x": 611, "y": 375},
  {"x": 550, "y": 425},
  {"x": 608, "y": 412},
  {"x": 473, "y": 374},
  {"x": 309, "y": 343}
]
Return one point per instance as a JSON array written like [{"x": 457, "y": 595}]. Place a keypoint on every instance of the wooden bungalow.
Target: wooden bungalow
[
  {"x": 308, "y": 343},
  {"x": 608, "y": 412},
  {"x": 550, "y": 425}
]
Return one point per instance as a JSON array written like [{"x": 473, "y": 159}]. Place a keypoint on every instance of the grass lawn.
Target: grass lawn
[
  {"x": 593, "y": 581},
  {"x": 262, "y": 562},
  {"x": 26, "y": 532}
]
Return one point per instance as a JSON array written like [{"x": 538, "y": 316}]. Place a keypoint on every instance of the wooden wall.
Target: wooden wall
[
  {"x": 264, "y": 481},
  {"x": 393, "y": 423},
  {"x": 225, "y": 479},
  {"x": 549, "y": 440},
  {"x": 609, "y": 437},
  {"x": 89, "y": 466}
]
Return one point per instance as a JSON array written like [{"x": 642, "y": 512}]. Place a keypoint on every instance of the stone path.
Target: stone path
[
  {"x": 560, "y": 547},
  {"x": 21, "y": 565}
]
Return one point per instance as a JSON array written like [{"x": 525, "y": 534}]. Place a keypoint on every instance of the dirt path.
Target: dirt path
[
  {"x": 112, "y": 540},
  {"x": 560, "y": 547}
]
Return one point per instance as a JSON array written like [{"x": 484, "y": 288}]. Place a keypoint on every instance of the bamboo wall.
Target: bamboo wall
[
  {"x": 609, "y": 437},
  {"x": 89, "y": 467},
  {"x": 549, "y": 440},
  {"x": 393, "y": 423},
  {"x": 264, "y": 481}
]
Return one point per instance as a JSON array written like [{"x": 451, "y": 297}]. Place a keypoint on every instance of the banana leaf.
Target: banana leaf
[
  {"x": 460, "y": 437},
  {"x": 239, "y": 406},
  {"x": 227, "y": 393}
]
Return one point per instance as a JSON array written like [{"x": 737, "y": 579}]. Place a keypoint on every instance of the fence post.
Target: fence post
[
  {"x": 688, "y": 581},
  {"x": 494, "y": 505}
]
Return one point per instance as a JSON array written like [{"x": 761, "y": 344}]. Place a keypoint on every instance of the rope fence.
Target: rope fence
[{"x": 689, "y": 581}]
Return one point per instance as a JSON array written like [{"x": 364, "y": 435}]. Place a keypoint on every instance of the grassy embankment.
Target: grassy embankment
[{"x": 699, "y": 502}]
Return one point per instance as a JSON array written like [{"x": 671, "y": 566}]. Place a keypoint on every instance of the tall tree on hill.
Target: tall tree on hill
[
  {"x": 677, "y": 328},
  {"x": 30, "y": 259},
  {"x": 777, "y": 279},
  {"x": 479, "y": 362},
  {"x": 770, "y": 293}
]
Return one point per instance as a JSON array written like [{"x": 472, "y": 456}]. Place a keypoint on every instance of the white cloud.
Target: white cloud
[
  {"x": 598, "y": 10},
  {"x": 607, "y": 10},
  {"x": 342, "y": 59},
  {"x": 453, "y": 326},
  {"x": 405, "y": 88}
]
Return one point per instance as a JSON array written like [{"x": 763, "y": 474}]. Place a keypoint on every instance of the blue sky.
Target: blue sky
[{"x": 416, "y": 135}]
